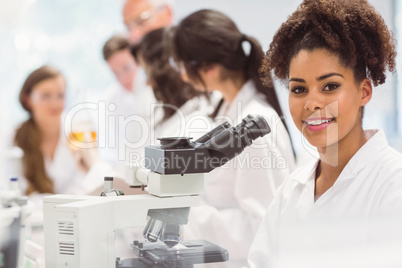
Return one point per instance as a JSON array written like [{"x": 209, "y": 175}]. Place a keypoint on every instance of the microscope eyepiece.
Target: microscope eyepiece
[
  {"x": 230, "y": 142},
  {"x": 212, "y": 150},
  {"x": 257, "y": 126},
  {"x": 175, "y": 142},
  {"x": 212, "y": 133}
]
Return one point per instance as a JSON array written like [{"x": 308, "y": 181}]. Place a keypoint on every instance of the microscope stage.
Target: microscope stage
[{"x": 186, "y": 255}]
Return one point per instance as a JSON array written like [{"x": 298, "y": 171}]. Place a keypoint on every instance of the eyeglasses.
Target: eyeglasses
[
  {"x": 46, "y": 97},
  {"x": 144, "y": 19}
]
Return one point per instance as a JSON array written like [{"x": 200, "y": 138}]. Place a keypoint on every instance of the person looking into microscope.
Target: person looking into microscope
[
  {"x": 211, "y": 53},
  {"x": 179, "y": 101}
]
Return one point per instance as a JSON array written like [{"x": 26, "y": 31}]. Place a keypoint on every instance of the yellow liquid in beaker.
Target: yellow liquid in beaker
[{"x": 87, "y": 136}]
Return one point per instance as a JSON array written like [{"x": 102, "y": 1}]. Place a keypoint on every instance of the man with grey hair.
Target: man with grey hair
[{"x": 143, "y": 16}]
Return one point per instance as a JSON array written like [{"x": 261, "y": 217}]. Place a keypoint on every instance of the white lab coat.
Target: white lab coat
[
  {"x": 368, "y": 188},
  {"x": 65, "y": 173},
  {"x": 190, "y": 120},
  {"x": 68, "y": 178},
  {"x": 238, "y": 193},
  {"x": 124, "y": 128}
]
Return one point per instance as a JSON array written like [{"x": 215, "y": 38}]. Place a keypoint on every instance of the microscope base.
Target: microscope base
[{"x": 196, "y": 252}]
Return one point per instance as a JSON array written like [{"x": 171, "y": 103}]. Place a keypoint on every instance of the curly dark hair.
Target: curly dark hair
[{"x": 352, "y": 30}]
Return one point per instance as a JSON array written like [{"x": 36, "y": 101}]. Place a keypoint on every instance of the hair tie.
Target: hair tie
[{"x": 246, "y": 45}]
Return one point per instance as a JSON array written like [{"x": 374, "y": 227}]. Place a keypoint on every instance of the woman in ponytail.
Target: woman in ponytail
[{"x": 212, "y": 54}]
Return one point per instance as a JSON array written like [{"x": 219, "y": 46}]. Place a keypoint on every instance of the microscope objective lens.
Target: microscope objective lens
[
  {"x": 153, "y": 230},
  {"x": 172, "y": 234}
]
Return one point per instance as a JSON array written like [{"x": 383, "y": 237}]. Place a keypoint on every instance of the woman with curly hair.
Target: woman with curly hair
[{"x": 331, "y": 53}]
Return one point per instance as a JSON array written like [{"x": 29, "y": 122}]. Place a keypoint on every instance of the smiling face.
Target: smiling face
[{"x": 324, "y": 99}]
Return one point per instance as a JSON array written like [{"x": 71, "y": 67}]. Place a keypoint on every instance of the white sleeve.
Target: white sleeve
[{"x": 93, "y": 179}]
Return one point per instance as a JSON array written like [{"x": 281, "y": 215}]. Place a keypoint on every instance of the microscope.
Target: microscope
[{"x": 79, "y": 230}]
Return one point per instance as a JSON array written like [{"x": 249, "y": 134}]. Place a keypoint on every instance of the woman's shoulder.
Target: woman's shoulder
[
  {"x": 376, "y": 154},
  {"x": 386, "y": 174},
  {"x": 394, "y": 154},
  {"x": 389, "y": 164}
]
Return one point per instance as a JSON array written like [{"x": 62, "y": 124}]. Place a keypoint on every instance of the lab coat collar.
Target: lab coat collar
[
  {"x": 367, "y": 153},
  {"x": 306, "y": 172}
]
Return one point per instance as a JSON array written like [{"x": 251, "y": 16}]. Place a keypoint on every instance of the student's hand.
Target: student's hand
[{"x": 84, "y": 150}]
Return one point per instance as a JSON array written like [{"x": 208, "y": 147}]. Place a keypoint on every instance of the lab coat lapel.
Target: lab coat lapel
[{"x": 364, "y": 155}]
